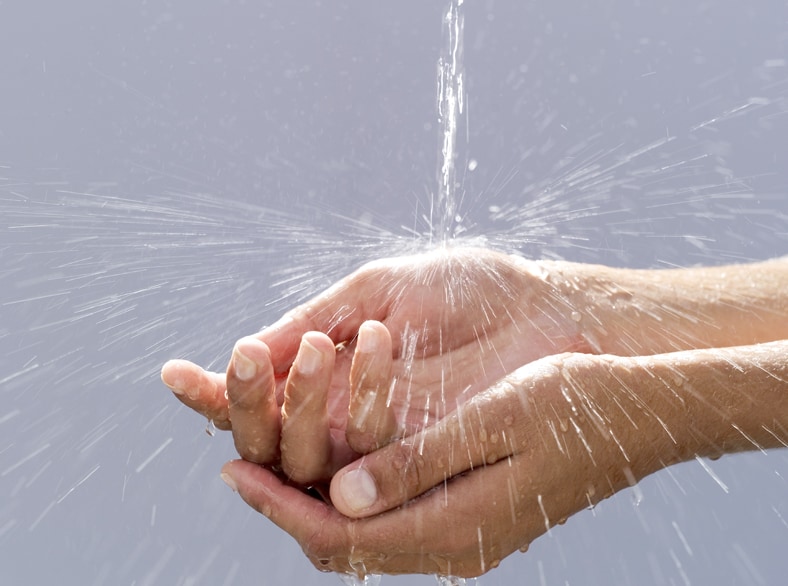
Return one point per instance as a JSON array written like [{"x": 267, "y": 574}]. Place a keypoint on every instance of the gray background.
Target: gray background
[{"x": 175, "y": 174}]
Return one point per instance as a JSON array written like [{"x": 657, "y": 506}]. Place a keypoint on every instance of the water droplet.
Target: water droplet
[
  {"x": 524, "y": 548},
  {"x": 508, "y": 420},
  {"x": 576, "y": 316},
  {"x": 564, "y": 425},
  {"x": 455, "y": 581},
  {"x": 473, "y": 164},
  {"x": 450, "y": 581},
  {"x": 210, "y": 429},
  {"x": 637, "y": 492},
  {"x": 353, "y": 580},
  {"x": 494, "y": 438}
]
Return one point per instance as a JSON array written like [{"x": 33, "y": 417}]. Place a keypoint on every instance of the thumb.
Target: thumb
[{"x": 476, "y": 434}]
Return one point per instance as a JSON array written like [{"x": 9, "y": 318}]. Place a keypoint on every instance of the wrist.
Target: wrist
[
  {"x": 625, "y": 414},
  {"x": 587, "y": 304}
]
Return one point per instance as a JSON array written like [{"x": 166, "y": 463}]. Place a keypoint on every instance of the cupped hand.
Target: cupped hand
[
  {"x": 555, "y": 437},
  {"x": 384, "y": 352}
]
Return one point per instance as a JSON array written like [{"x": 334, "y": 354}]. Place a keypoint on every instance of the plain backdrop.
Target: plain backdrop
[{"x": 174, "y": 174}]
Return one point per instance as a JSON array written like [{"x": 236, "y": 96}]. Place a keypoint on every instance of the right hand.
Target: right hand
[
  {"x": 503, "y": 468},
  {"x": 554, "y": 437},
  {"x": 451, "y": 323}
]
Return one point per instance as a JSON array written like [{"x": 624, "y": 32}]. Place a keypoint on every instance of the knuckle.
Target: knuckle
[
  {"x": 415, "y": 471},
  {"x": 240, "y": 396}
]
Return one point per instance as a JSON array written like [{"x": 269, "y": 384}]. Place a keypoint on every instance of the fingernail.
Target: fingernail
[
  {"x": 229, "y": 481},
  {"x": 309, "y": 358},
  {"x": 367, "y": 341},
  {"x": 245, "y": 369},
  {"x": 358, "y": 489}
]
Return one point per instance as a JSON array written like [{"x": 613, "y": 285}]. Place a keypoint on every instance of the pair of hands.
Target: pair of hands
[
  {"x": 403, "y": 361},
  {"x": 406, "y": 380}
]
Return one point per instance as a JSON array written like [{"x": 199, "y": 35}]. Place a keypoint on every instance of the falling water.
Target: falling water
[{"x": 445, "y": 220}]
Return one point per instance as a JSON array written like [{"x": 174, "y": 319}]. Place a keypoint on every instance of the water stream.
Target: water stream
[
  {"x": 445, "y": 218},
  {"x": 445, "y": 221}
]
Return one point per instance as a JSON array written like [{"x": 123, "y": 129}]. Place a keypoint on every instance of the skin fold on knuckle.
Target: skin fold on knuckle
[
  {"x": 414, "y": 473},
  {"x": 243, "y": 397}
]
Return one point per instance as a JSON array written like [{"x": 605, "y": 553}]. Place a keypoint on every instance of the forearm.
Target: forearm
[
  {"x": 633, "y": 312},
  {"x": 669, "y": 408},
  {"x": 736, "y": 398}
]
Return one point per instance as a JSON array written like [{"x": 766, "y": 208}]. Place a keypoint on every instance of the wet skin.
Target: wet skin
[{"x": 508, "y": 433}]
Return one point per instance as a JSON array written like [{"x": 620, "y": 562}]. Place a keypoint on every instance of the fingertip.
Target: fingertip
[
  {"x": 228, "y": 479},
  {"x": 170, "y": 376},
  {"x": 319, "y": 340},
  {"x": 233, "y": 469},
  {"x": 372, "y": 336},
  {"x": 182, "y": 377},
  {"x": 354, "y": 492},
  {"x": 236, "y": 475},
  {"x": 250, "y": 356},
  {"x": 252, "y": 347},
  {"x": 315, "y": 352}
]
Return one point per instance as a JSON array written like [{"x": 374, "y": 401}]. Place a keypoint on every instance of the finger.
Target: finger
[
  {"x": 337, "y": 312},
  {"x": 198, "y": 389},
  {"x": 306, "y": 440},
  {"x": 372, "y": 422},
  {"x": 252, "y": 405},
  {"x": 480, "y": 432}
]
